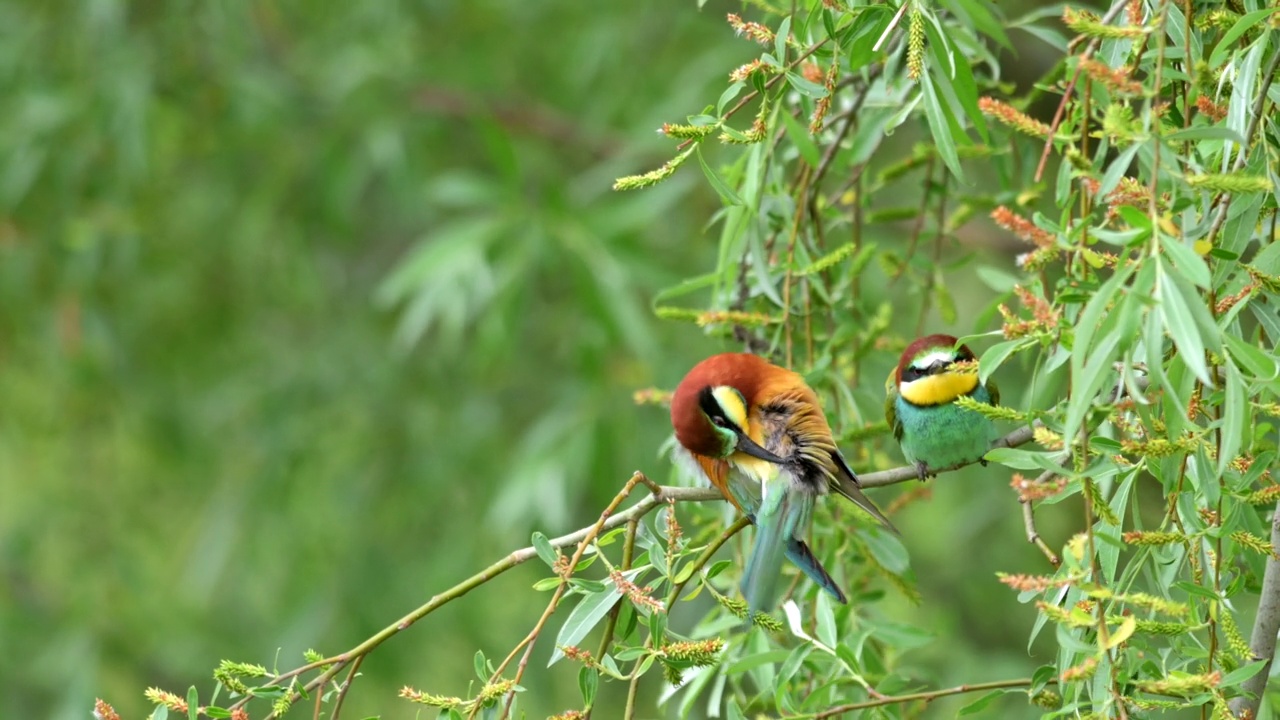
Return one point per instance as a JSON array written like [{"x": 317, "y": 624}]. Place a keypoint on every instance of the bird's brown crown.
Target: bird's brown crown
[
  {"x": 744, "y": 372},
  {"x": 927, "y": 343}
]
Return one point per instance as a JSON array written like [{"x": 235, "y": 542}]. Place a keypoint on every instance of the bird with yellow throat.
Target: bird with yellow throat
[
  {"x": 758, "y": 434},
  {"x": 933, "y": 431}
]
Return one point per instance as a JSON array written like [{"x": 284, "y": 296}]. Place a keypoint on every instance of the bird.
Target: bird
[
  {"x": 757, "y": 432},
  {"x": 920, "y": 406}
]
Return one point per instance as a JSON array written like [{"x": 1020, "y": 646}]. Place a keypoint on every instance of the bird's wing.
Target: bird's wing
[{"x": 891, "y": 407}]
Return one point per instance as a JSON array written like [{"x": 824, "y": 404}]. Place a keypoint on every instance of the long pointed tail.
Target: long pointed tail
[
  {"x": 849, "y": 489},
  {"x": 784, "y": 515},
  {"x": 847, "y": 485},
  {"x": 800, "y": 554},
  {"x": 764, "y": 564}
]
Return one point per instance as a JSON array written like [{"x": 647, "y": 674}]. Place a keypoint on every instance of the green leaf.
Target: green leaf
[
  {"x": 1235, "y": 416},
  {"x": 985, "y": 21},
  {"x": 1240, "y": 674},
  {"x": 1261, "y": 364},
  {"x": 1242, "y": 26},
  {"x": 981, "y": 703},
  {"x": 1176, "y": 315},
  {"x": 780, "y": 38},
  {"x": 1197, "y": 590},
  {"x": 1124, "y": 632},
  {"x": 479, "y": 665},
  {"x": 588, "y": 683},
  {"x": 548, "y": 583},
  {"x": 1204, "y": 133},
  {"x": 805, "y": 87},
  {"x": 589, "y": 611},
  {"x": 725, "y": 192},
  {"x": 542, "y": 546},
  {"x": 160, "y": 713},
  {"x": 1020, "y": 459},
  {"x": 1186, "y": 260},
  {"x": 939, "y": 127},
  {"x": 826, "y": 620},
  {"x": 995, "y": 356},
  {"x": 217, "y": 712},
  {"x": 888, "y": 551},
  {"x": 801, "y": 139},
  {"x": 193, "y": 703},
  {"x": 1116, "y": 170}
]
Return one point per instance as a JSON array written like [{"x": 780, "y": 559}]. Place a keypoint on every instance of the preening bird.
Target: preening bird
[
  {"x": 758, "y": 433},
  {"x": 920, "y": 405}
]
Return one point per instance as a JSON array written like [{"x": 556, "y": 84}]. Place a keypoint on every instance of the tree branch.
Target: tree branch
[
  {"x": 1262, "y": 643},
  {"x": 926, "y": 696},
  {"x": 659, "y": 495}
]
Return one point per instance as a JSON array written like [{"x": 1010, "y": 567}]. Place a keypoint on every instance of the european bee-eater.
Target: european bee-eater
[
  {"x": 920, "y": 405},
  {"x": 759, "y": 435}
]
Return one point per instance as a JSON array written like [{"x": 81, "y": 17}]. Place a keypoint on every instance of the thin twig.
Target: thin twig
[
  {"x": 528, "y": 643},
  {"x": 1033, "y": 537},
  {"x": 342, "y": 692},
  {"x": 1066, "y": 95},
  {"x": 925, "y": 696}
]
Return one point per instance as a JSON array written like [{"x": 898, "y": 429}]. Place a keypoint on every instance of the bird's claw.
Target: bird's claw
[{"x": 922, "y": 472}]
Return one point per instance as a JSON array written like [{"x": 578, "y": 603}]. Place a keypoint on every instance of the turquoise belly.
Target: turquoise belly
[{"x": 944, "y": 435}]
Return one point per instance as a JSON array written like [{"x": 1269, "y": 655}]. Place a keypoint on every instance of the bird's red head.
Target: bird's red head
[
  {"x": 711, "y": 407},
  {"x": 930, "y": 354}
]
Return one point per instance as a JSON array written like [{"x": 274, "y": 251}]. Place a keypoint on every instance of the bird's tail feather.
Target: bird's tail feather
[
  {"x": 800, "y": 554},
  {"x": 850, "y": 490},
  {"x": 782, "y": 516}
]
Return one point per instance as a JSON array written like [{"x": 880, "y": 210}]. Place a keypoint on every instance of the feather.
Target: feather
[{"x": 846, "y": 484}]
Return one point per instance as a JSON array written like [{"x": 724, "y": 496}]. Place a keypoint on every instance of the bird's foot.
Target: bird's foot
[
  {"x": 983, "y": 462},
  {"x": 922, "y": 472}
]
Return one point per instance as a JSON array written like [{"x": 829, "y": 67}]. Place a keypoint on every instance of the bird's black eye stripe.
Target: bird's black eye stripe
[
  {"x": 707, "y": 402},
  {"x": 915, "y": 373}
]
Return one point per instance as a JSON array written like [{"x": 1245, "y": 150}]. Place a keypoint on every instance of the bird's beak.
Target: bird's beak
[{"x": 752, "y": 448}]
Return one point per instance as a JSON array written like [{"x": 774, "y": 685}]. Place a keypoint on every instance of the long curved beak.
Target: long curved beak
[{"x": 752, "y": 448}]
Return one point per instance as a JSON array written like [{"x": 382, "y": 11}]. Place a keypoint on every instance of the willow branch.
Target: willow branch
[
  {"x": 1262, "y": 643},
  {"x": 925, "y": 696},
  {"x": 659, "y": 495}
]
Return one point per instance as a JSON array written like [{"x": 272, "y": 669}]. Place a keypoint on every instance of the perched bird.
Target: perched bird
[
  {"x": 920, "y": 405},
  {"x": 759, "y": 435}
]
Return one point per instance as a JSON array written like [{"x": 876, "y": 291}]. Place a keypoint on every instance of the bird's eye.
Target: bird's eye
[{"x": 720, "y": 421}]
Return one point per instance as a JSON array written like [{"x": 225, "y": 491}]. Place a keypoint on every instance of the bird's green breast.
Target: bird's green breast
[{"x": 944, "y": 435}]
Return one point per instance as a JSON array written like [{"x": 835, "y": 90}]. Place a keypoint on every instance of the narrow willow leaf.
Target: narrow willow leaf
[
  {"x": 1175, "y": 312},
  {"x": 586, "y": 615},
  {"x": 1185, "y": 259},
  {"x": 805, "y": 87},
  {"x": 1116, "y": 170},
  {"x": 826, "y": 620},
  {"x": 1261, "y": 364},
  {"x": 799, "y": 135},
  {"x": 722, "y": 189},
  {"x": 939, "y": 127},
  {"x": 995, "y": 356},
  {"x": 542, "y": 546},
  {"x": 981, "y": 703},
  {"x": 1204, "y": 133},
  {"x": 1235, "y": 416},
  {"x": 1242, "y": 26}
]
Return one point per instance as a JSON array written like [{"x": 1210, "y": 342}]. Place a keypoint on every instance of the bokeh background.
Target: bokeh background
[{"x": 310, "y": 310}]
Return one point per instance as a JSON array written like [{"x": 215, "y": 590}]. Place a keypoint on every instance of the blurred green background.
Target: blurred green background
[{"x": 310, "y": 310}]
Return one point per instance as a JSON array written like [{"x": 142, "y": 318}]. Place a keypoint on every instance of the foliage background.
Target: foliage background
[{"x": 308, "y": 310}]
